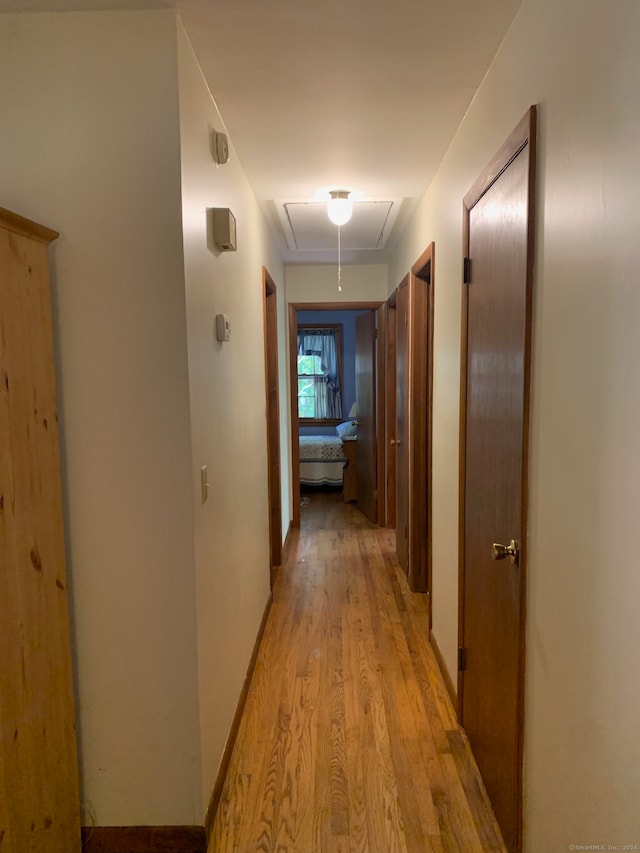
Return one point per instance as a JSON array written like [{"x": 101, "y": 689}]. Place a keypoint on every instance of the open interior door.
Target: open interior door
[
  {"x": 401, "y": 438},
  {"x": 367, "y": 465}
]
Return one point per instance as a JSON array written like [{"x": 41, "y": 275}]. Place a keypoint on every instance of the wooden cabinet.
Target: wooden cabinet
[
  {"x": 39, "y": 800},
  {"x": 350, "y": 476}
]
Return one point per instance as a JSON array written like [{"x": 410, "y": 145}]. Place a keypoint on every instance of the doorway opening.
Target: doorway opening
[{"x": 339, "y": 451}]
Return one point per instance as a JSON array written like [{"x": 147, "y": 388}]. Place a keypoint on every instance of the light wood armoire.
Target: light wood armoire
[{"x": 39, "y": 800}]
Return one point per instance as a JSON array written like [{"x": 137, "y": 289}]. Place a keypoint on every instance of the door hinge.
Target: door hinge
[
  {"x": 467, "y": 271},
  {"x": 462, "y": 659}
]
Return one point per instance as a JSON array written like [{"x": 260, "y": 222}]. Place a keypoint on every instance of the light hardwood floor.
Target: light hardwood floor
[{"x": 348, "y": 741}]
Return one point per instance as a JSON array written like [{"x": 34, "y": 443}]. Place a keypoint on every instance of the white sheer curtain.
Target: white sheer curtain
[{"x": 322, "y": 343}]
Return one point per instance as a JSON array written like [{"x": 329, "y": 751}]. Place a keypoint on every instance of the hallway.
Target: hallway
[{"x": 348, "y": 740}]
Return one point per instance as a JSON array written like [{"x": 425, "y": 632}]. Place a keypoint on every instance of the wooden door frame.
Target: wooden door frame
[
  {"x": 381, "y": 404},
  {"x": 524, "y": 134},
  {"x": 390, "y": 409},
  {"x": 272, "y": 392},
  {"x": 368, "y": 491},
  {"x": 420, "y": 419},
  {"x": 420, "y": 281},
  {"x": 293, "y": 309}
]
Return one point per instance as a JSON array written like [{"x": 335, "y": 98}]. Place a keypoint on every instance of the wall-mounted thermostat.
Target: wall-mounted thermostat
[
  {"x": 224, "y": 229},
  {"x": 220, "y": 147},
  {"x": 223, "y": 327}
]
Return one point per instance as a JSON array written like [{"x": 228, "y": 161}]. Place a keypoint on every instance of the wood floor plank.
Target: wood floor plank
[
  {"x": 349, "y": 742},
  {"x": 354, "y": 734}
]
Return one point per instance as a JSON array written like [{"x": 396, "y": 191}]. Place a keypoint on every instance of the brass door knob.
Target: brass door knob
[
  {"x": 395, "y": 442},
  {"x": 501, "y": 552}
]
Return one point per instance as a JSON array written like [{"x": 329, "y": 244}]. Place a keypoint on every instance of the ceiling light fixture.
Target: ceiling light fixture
[
  {"x": 339, "y": 210},
  {"x": 339, "y": 207}
]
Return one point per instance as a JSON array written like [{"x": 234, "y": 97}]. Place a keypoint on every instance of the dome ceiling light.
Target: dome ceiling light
[{"x": 339, "y": 207}]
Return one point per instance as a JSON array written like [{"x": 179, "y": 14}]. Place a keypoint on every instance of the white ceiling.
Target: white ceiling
[
  {"x": 362, "y": 95},
  {"x": 306, "y": 225}
]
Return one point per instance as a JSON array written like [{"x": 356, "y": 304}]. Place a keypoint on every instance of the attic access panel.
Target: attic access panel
[{"x": 309, "y": 227}]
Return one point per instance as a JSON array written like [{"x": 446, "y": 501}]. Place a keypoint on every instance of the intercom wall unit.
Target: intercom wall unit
[
  {"x": 223, "y": 327},
  {"x": 224, "y": 229},
  {"x": 220, "y": 146}
]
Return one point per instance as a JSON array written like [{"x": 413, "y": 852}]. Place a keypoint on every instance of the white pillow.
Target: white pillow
[{"x": 347, "y": 429}]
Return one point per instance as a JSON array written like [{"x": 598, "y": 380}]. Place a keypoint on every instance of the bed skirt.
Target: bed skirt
[{"x": 321, "y": 473}]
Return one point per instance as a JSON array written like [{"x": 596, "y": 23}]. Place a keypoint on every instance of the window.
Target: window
[
  {"x": 320, "y": 373},
  {"x": 309, "y": 372}
]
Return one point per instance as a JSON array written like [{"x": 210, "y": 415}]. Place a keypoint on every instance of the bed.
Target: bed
[{"x": 322, "y": 460}]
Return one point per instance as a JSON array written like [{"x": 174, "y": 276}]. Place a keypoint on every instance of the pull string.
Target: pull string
[{"x": 339, "y": 266}]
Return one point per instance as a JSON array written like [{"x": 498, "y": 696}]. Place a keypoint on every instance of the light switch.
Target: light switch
[{"x": 223, "y": 327}]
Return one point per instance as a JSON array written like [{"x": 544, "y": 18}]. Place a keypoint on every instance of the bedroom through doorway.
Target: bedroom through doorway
[{"x": 335, "y": 407}]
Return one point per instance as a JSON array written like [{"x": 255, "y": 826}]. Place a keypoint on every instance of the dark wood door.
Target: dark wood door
[
  {"x": 390, "y": 414},
  {"x": 421, "y": 288},
  {"x": 495, "y": 426},
  {"x": 366, "y": 397},
  {"x": 402, "y": 420}
]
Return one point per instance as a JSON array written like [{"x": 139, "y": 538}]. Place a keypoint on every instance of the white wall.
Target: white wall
[
  {"x": 319, "y": 283},
  {"x": 167, "y": 593},
  {"x": 90, "y": 146},
  {"x": 579, "y": 61},
  {"x": 228, "y": 413}
]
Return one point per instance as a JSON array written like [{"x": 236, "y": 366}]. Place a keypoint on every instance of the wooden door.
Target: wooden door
[
  {"x": 366, "y": 396},
  {"x": 402, "y": 419},
  {"x": 270, "y": 308},
  {"x": 494, "y": 428},
  {"x": 390, "y": 413},
  {"x": 39, "y": 800},
  {"x": 413, "y": 401},
  {"x": 382, "y": 440},
  {"x": 421, "y": 289}
]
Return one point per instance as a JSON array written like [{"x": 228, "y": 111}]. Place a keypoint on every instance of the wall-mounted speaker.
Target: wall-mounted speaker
[{"x": 224, "y": 229}]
